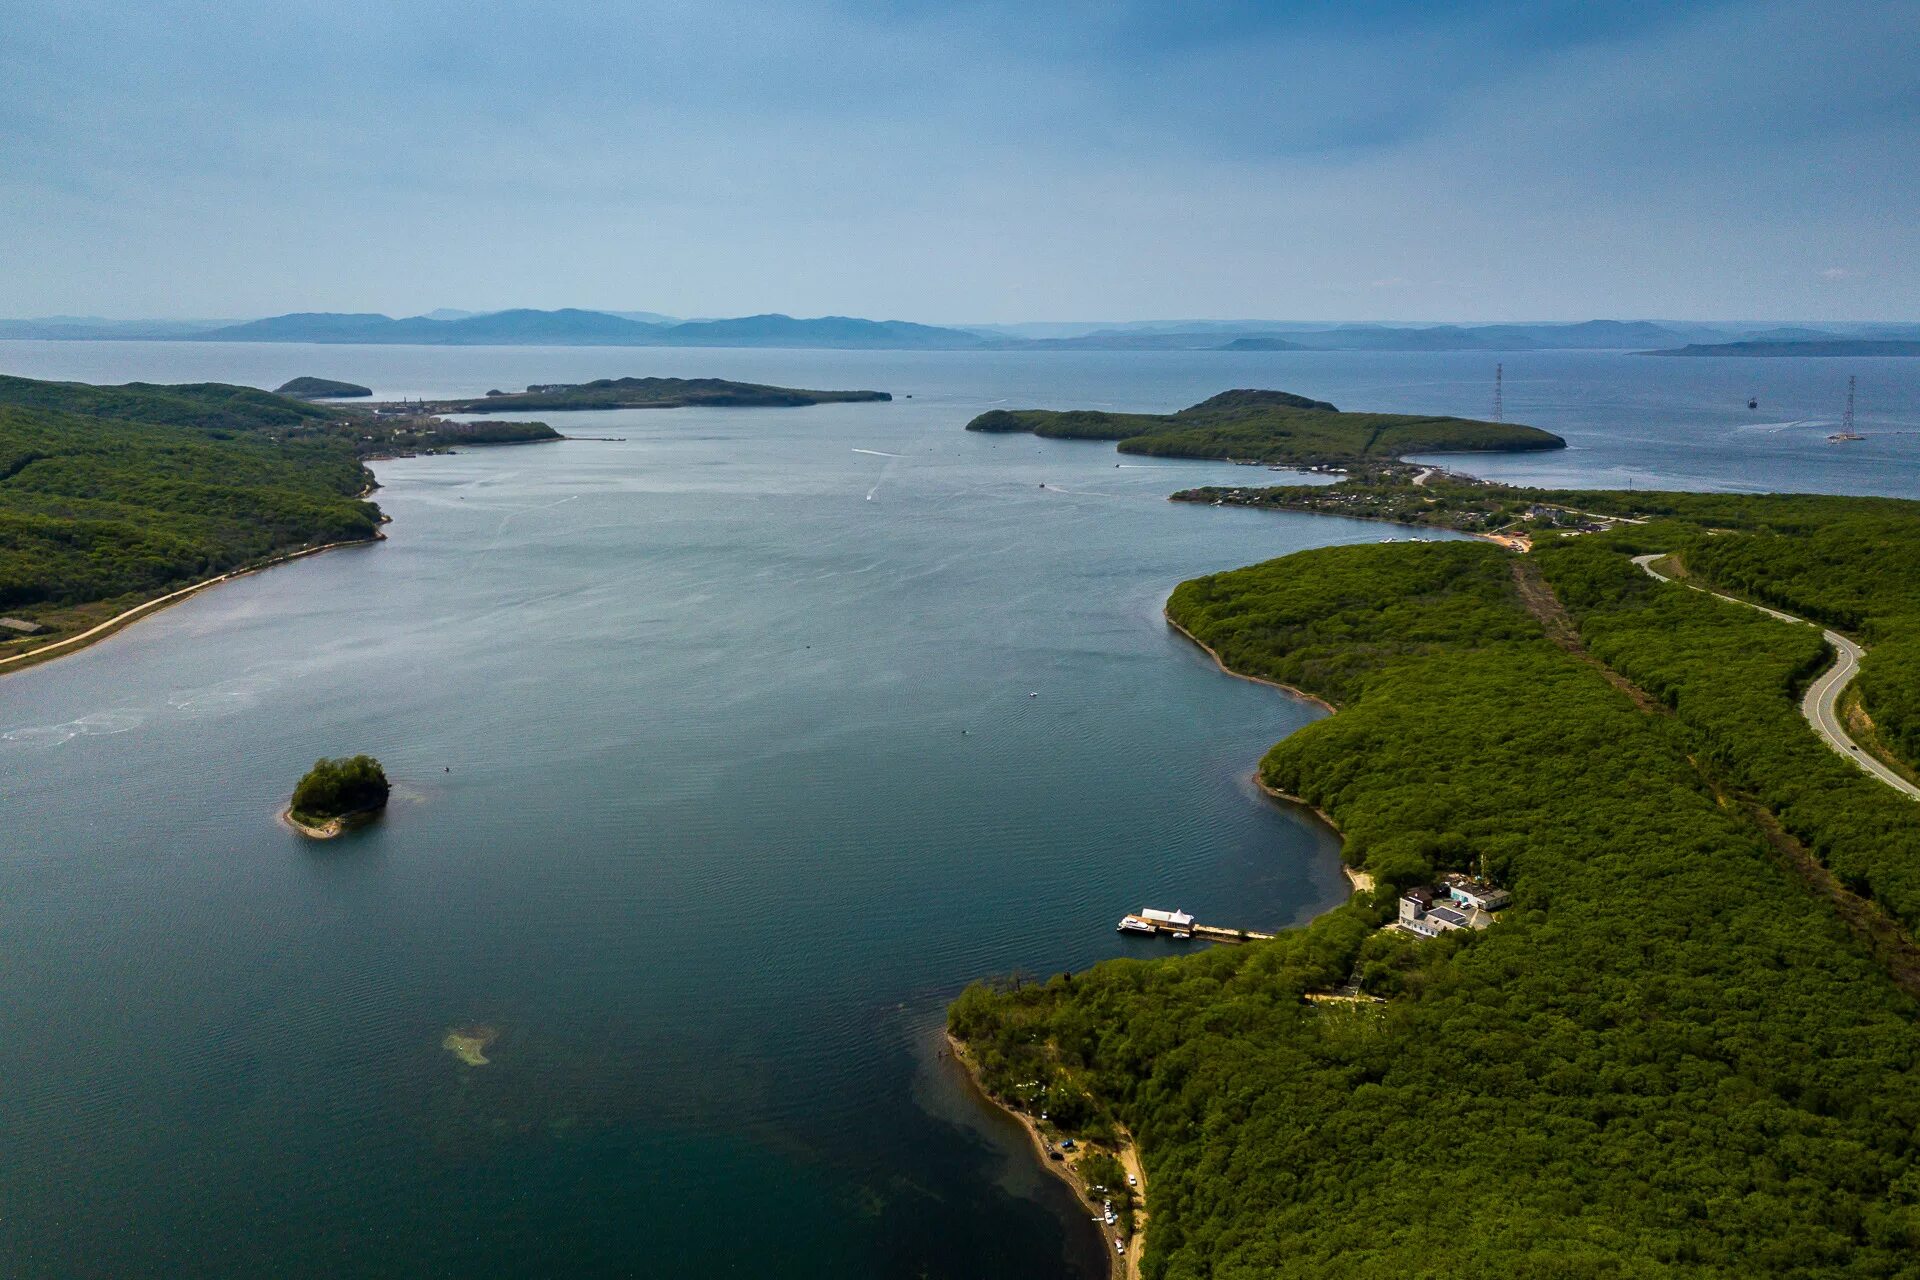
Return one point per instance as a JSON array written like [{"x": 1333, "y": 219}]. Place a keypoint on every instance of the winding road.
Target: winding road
[{"x": 1820, "y": 705}]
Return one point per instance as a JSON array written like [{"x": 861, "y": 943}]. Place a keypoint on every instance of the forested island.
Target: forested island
[
  {"x": 322, "y": 389},
  {"x": 112, "y": 497},
  {"x": 1692, "y": 1044},
  {"x": 651, "y": 393},
  {"x": 1274, "y": 428},
  {"x": 337, "y": 794}
]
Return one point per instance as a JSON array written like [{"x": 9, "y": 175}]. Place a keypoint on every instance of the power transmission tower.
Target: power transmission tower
[{"x": 1499, "y": 405}]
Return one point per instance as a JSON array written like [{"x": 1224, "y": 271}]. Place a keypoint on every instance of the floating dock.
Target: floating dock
[{"x": 1181, "y": 925}]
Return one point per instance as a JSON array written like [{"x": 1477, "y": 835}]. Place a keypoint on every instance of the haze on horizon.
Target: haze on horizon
[{"x": 963, "y": 163}]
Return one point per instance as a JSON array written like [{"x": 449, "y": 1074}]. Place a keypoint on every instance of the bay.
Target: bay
[{"x": 726, "y": 751}]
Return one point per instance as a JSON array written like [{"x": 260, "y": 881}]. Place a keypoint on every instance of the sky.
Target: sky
[{"x": 963, "y": 162}]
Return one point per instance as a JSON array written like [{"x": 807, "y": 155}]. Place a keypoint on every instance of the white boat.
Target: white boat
[{"x": 1134, "y": 924}]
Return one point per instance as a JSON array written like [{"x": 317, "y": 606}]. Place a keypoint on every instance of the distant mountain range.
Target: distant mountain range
[
  {"x": 574, "y": 327},
  {"x": 1830, "y": 347}
]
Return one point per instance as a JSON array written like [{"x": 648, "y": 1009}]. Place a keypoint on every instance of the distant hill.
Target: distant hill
[
  {"x": 650, "y": 393},
  {"x": 1262, "y": 343},
  {"x": 827, "y": 331},
  {"x": 523, "y": 326},
  {"x": 503, "y": 328},
  {"x": 322, "y": 389},
  {"x": 93, "y": 329},
  {"x": 568, "y": 327},
  {"x": 1272, "y": 427},
  {"x": 1831, "y": 347},
  {"x": 1590, "y": 335}
]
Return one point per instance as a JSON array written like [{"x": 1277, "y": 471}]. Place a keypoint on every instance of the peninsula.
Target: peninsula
[
  {"x": 651, "y": 393},
  {"x": 118, "y": 500},
  {"x": 115, "y": 500},
  {"x": 1587, "y": 1076},
  {"x": 1273, "y": 428}
]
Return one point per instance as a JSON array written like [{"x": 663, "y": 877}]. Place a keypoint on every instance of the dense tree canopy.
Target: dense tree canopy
[
  {"x": 1667, "y": 1058},
  {"x": 1271, "y": 427},
  {"x": 111, "y": 493},
  {"x": 98, "y": 507},
  {"x": 336, "y": 788}
]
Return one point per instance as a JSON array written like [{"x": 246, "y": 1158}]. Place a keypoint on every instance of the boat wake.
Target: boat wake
[
  {"x": 100, "y": 722},
  {"x": 877, "y": 454}
]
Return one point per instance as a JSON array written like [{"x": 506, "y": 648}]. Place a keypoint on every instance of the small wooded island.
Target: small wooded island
[
  {"x": 323, "y": 389},
  {"x": 1273, "y": 427},
  {"x": 652, "y": 393},
  {"x": 338, "y": 794}
]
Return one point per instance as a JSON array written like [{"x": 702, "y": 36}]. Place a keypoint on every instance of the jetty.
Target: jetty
[{"x": 1182, "y": 926}]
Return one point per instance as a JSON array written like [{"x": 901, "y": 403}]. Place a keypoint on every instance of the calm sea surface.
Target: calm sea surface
[{"x": 725, "y": 754}]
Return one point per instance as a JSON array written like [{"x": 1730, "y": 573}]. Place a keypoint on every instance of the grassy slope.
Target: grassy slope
[
  {"x": 1271, "y": 427},
  {"x": 1668, "y": 1059}
]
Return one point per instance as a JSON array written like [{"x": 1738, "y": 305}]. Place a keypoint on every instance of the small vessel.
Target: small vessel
[
  {"x": 1181, "y": 936},
  {"x": 1753, "y": 402},
  {"x": 1134, "y": 924}
]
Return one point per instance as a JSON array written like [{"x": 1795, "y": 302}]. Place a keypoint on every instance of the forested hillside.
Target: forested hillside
[
  {"x": 1271, "y": 427},
  {"x": 1669, "y": 1057},
  {"x": 118, "y": 493}
]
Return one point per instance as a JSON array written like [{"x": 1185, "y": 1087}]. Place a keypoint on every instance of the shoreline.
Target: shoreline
[
  {"x": 1127, "y": 1266},
  {"x": 1360, "y": 881},
  {"x": 1512, "y": 542},
  {"x": 1119, "y": 1267},
  {"x": 1206, "y": 648},
  {"x": 332, "y": 828},
  {"x": 328, "y": 830},
  {"x": 74, "y": 644}
]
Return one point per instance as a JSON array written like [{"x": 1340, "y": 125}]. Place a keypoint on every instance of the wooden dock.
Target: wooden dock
[{"x": 1219, "y": 933}]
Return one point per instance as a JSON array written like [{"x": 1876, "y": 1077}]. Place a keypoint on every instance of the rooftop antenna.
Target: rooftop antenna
[{"x": 1499, "y": 405}]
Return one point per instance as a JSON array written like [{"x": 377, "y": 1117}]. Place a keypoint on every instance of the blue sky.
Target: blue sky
[{"x": 963, "y": 162}]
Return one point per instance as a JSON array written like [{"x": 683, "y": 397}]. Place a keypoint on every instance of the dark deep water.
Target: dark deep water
[{"x": 714, "y": 850}]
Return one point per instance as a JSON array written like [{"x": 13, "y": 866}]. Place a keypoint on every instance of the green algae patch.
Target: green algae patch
[{"x": 469, "y": 1044}]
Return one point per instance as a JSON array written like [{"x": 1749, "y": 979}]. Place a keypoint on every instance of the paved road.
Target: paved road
[{"x": 1821, "y": 703}]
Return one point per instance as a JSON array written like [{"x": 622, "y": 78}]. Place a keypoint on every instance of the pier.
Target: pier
[{"x": 1182, "y": 926}]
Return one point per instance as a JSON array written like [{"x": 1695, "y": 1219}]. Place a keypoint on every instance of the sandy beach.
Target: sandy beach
[{"x": 1120, "y": 1267}]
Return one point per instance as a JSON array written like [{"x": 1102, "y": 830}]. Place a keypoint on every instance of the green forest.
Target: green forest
[
  {"x": 1671, "y": 1056},
  {"x": 338, "y": 788},
  {"x": 110, "y": 495},
  {"x": 112, "y": 492},
  {"x": 1271, "y": 427}
]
